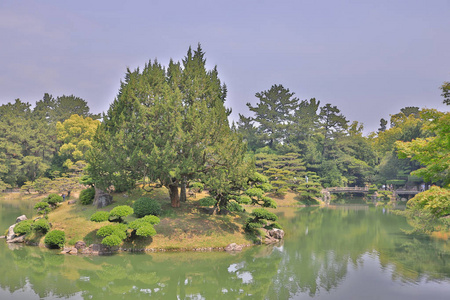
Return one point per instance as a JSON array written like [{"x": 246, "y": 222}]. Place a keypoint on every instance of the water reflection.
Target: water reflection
[{"x": 334, "y": 254}]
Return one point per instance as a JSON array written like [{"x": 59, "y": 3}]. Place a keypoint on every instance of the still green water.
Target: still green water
[{"x": 337, "y": 253}]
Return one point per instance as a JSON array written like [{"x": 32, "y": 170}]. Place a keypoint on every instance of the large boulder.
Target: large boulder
[
  {"x": 21, "y": 218},
  {"x": 102, "y": 198},
  {"x": 233, "y": 247},
  {"x": 80, "y": 245},
  {"x": 273, "y": 235}
]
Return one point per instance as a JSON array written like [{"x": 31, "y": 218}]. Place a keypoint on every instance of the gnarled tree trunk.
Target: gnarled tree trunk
[{"x": 174, "y": 196}]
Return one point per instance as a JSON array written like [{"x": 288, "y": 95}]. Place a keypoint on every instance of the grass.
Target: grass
[{"x": 184, "y": 228}]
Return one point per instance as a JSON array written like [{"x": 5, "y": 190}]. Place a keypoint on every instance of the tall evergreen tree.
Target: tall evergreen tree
[
  {"x": 169, "y": 126},
  {"x": 273, "y": 114}
]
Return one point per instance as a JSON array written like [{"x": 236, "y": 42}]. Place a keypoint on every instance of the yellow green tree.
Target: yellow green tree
[{"x": 75, "y": 134}]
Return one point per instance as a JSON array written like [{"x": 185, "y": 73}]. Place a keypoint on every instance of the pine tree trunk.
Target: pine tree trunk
[
  {"x": 174, "y": 196},
  {"x": 183, "y": 192}
]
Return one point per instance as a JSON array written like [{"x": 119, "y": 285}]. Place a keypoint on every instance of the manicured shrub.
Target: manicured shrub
[
  {"x": 151, "y": 219},
  {"x": 119, "y": 212},
  {"x": 113, "y": 229},
  {"x": 112, "y": 240},
  {"x": 23, "y": 227},
  {"x": 41, "y": 225},
  {"x": 100, "y": 216},
  {"x": 53, "y": 199},
  {"x": 55, "y": 239},
  {"x": 207, "y": 201},
  {"x": 41, "y": 205},
  {"x": 146, "y": 230},
  {"x": 261, "y": 218},
  {"x": 87, "y": 196},
  {"x": 146, "y": 206}
]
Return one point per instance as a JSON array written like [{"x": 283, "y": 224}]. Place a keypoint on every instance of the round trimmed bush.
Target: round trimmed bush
[
  {"x": 100, "y": 216},
  {"x": 120, "y": 212},
  {"x": 41, "y": 225},
  {"x": 55, "y": 239},
  {"x": 112, "y": 240},
  {"x": 207, "y": 201},
  {"x": 146, "y": 230},
  {"x": 87, "y": 196},
  {"x": 41, "y": 205},
  {"x": 146, "y": 206},
  {"x": 113, "y": 229},
  {"x": 53, "y": 199},
  {"x": 23, "y": 227}
]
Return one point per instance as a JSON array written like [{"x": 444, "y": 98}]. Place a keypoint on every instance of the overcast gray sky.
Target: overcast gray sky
[{"x": 369, "y": 58}]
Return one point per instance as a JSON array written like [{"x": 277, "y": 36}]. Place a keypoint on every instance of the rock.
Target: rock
[
  {"x": 21, "y": 218},
  {"x": 273, "y": 235},
  {"x": 102, "y": 198},
  {"x": 17, "y": 239},
  {"x": 2, "y": 237},
  {"x": 71, "y": 202},
  {"x": 70, "y": 250},
  {"x": 80, "y": 245},
  {"x": 233, "y": 247}
]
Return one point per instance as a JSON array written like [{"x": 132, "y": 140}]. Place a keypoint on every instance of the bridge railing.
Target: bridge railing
[{"x": 348, "y": 189}]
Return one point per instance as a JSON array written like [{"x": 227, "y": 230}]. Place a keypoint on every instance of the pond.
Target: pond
[{"x": 345, "y": 252}]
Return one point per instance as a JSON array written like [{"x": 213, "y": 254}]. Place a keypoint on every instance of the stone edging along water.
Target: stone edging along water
[{"x": 272, "y": 236}]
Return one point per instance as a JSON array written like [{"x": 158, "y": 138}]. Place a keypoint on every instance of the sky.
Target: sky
[{"x": 368, "y": 58}]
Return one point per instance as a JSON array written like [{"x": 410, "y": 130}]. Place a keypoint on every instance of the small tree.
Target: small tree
[
  {"x": 53, "y": 199},
  {"x": 119, "y": 212},
  {"x": 261, "y": 218}
]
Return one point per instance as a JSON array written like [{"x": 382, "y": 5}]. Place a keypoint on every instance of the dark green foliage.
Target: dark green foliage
[
  {"x": 100, "y": 216},
  {"x": 55, "y": 239},
  {"x": 146, "y": 206},
  {"x": 261, "y": 218},
  {"x": 119, "y": 212},
  {"x": 23, "y": 227},
  {"x": 207, "y": 201},
  {"x": 53, "y": 199},
  {"x": 87, "y": 196},
  {"x": 309, "y": 188},
  {"x": 396, "y": 182},
  {"x": 41, "y": 225},
  {"x": 234, "y": 206}
]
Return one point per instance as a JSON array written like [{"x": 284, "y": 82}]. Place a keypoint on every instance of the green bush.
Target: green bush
[
  {"x": 87, "y": 196},
  {"x": 146, "y": 230},
  {"x": 41, "y": 225},
  {"x": 120, "y": 212},
  {"x": 100, "y": 216},
  {"x": 55, "y": 239},
  {"x": 113, "y": 229},
  {"x": 112, "y": 240},
  {"x": 23, "y": 227},
  {"x": 53, "y": 199},
  {"x": 260, "y": 219},
  {"x": 151, "y": 219},
  {"x": 41, "y": 205},
  {"x": 234, "y": 206},
  {"x": 207, "y": 201},
  {"x": 146, "y": 206}
]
